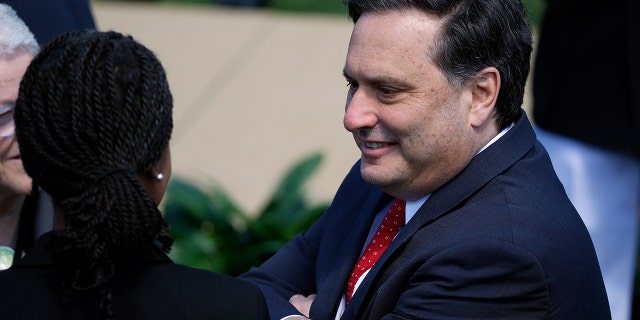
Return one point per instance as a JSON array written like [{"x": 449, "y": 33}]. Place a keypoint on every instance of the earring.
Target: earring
[{"x": 159, "y": 177}]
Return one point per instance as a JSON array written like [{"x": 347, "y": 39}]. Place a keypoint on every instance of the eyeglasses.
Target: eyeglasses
[{"x": 7, "y": 126}]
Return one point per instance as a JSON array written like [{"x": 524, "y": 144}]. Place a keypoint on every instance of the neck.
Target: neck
[{"x": 10, "y": 206}]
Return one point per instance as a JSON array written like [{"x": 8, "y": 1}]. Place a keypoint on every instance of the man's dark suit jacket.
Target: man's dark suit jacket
[
  {"x": 499, "y": 241},
  {"x": 148, "y": 286}
]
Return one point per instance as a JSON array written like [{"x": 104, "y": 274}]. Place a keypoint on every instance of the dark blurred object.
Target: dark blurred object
[
  {"x": 586, "y": 83},
  {"x": 586, "y": 94},
  {"x": 49, "y": 18}
]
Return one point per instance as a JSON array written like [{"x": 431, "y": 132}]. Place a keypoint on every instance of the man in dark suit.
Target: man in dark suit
[{"x": 435, "y": 90}]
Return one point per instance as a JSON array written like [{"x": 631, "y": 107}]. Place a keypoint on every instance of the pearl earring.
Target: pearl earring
[{"x": 159, "y": 176}]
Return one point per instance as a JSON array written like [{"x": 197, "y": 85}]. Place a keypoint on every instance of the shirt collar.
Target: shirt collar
[
  {"x": 413, "y": 206},
  {"x": 502, "y": 133}
]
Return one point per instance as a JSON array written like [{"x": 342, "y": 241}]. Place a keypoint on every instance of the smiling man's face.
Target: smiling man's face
[{"x": 411, "y": 124}]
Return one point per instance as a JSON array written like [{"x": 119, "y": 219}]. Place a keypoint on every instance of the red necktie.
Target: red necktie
[{"x": 393, "y": 220}]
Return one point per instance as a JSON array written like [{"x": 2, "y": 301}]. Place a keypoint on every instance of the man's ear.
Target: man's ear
[{"x": 484, "y": 94}]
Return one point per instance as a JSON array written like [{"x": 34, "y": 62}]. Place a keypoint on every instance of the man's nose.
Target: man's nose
[{"x": 360, "y": 112}]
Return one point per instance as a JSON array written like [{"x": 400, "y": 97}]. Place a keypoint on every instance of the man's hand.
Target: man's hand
[{"x": 302, "y": 303}]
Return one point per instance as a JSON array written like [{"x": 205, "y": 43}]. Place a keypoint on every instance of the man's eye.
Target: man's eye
[
  {"x": 387, "y": 90},
  {"x": 352, "y": 84}
]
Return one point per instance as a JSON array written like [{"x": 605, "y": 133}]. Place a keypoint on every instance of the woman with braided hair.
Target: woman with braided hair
[{"x": 93, "y": 121}]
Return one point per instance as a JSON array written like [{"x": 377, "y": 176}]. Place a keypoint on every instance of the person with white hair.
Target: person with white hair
[{"x": 18, "y": 47}]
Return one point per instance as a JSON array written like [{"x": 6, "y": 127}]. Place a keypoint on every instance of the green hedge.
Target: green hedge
[{"x": 535, "y": 8}]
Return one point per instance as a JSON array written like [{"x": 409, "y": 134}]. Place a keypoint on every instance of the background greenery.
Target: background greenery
[
  {"x": 211, "y": 231},
  {"x": 535, "y": 7}
]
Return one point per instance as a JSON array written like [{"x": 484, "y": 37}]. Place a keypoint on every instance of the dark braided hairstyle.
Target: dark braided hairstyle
[{"x": 93, "y": 114}]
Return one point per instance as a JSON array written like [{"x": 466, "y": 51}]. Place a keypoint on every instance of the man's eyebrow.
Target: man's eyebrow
[
  {"x": 385, "y": 80},
  {"x": 371, "y": 79}
]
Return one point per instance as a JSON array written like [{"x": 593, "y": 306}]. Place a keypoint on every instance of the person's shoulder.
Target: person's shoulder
[
  {"x": 204, "y": 275},
  {"x": 206, "y": 290},
  {"x": 239, "y": 297},
  {"x": 208, "y": 281}
]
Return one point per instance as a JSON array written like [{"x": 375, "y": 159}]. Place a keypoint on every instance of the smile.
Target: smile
[{"x": 376, "y": 145}]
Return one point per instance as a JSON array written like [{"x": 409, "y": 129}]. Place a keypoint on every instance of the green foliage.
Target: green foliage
[
  {"x": 535, "y": 8},
  {"x": 317, "y": 6},
  {"x": 211, "y": 232},
  {"x": 535, "y": 11}
]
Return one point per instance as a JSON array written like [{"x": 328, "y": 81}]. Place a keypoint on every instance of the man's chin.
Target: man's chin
[{"x": 374, "y": 174}]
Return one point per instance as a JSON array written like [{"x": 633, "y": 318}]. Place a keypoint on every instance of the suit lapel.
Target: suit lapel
[{"x": 347, "y": 248}]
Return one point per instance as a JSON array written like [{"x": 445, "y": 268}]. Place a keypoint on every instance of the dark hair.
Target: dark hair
[
  {"x": 94, "y": 112},
  {"x": 476, "y": 34}
]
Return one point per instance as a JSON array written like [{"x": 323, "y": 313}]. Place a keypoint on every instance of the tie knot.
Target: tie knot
[{"x": 396, "y": 215}]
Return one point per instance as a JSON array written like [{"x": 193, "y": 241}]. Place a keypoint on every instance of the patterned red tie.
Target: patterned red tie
[{"x": 393, "y": 220}]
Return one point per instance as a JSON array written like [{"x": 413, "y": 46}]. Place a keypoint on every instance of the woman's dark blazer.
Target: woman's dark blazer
[{"x": 148, "y": 286}]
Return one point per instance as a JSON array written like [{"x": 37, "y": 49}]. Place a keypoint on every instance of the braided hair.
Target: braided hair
[{"x": 94, "y": 113}]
